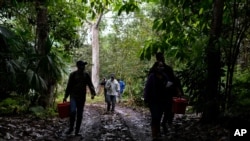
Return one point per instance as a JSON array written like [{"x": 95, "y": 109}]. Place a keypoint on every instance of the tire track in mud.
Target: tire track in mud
[{"x": 122, "y": 125}]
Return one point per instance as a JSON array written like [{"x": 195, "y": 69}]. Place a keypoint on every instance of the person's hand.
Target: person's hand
[
  {"x": 146, "y": 102},
  {"x": 179, "y": 94},
  {"x": 64, "y": 100}
]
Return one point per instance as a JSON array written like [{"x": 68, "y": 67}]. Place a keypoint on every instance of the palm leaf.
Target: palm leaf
[
  {"x": 5, "y": 32},
  {"x": 35, "y": 81}
]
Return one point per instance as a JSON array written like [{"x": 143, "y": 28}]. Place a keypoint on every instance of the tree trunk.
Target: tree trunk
[
  {"x": 42, "y": 27},
  {"x": 95, "y": 57},
  {"x": 211, "y": 110},
  {"x": 42, "y": 33},
  {"x": 95, "y": 53}
]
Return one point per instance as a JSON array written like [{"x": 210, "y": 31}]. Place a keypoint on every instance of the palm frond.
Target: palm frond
[
  {"x": 35, "y": 81},
  {"x": 6, "y": 32}
]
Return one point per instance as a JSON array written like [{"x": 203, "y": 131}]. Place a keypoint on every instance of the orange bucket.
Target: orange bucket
[
  {"x": 179, "y": 105},
  {"x": 63, "y": 109}
]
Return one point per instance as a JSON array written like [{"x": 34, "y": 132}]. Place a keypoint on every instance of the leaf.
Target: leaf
[
  {"x": 201, "y": 11},
  {"x": 35, "y": 81},
  {"x": 121, "y": 10},
  {"x": 157, "y": 24},
  {"x": 7, "y": 33}
]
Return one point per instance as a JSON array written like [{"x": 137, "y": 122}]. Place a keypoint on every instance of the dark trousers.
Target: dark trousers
[
  {"x": 159, "y": 110},
  {"x": 168, "y": 115},
  {"x": 111, "y": 101},
  {"x": 76, "y": 112},
  {"x": 156, "y": 110}
]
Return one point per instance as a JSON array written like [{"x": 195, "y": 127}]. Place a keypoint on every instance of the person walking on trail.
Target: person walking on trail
[
  {"x": 103, "y": 83},
  {"x": 175, "y": 89},
  {"x": 156, "y": 96},
  {"x": 122, "y": 87},
  {"x": 113, "y": 89},
  {"x": 76, "y": 89}
]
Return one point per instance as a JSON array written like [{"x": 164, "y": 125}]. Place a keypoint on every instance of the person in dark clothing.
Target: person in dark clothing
[
  {"x": 156, "y": 96},
  {"x": 103, "y": 83},
  {"x": 76, "y": 89},
  {"x": 174, "y": 89}
]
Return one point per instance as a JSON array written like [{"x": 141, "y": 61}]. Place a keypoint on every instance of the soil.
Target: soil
[{"x": 125, "y": 124}]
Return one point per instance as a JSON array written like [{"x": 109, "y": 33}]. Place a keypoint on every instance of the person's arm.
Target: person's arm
[
  {"x": 90, "y": 85},
  {"x": 179, "y": 88},
  {"x": 108, "y": 85},
  {"x": 69, "y": 87},
  {"x": 102, "y": 83}
]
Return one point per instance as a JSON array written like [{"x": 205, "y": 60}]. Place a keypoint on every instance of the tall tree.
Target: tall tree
[
  {"x": 42, "y": 33},
  {"x": 98, "y": 9},
  {"x": 236, "y": 26},
  {"x": 95, "y": 52},
  {"x": 211, "y": 111}
]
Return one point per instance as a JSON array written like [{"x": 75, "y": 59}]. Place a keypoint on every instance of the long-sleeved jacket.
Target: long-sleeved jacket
[
  {"x": 77, "y": 83},
  {"x": 155, "y": 90},
  {"x": 112, "y": 87},
  {"x": 176, "y": 87}
]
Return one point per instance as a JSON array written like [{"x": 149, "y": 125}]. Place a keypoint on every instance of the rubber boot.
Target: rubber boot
[
  {"x": 71, "y": 123},
  {"x": 170, "y": 118},
  {"x": 155, "y": 133},
  {"x": 108, "y": 107},
  {"x": 164, "y": 127},
  {"x": 113, "y": 107},
  {"x": 78, "y": 125}
]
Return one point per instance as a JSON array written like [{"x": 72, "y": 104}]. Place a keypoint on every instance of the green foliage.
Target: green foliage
[
  {"x": 24, "y": 65},
  {"x": 137, "y": 92},
  {"x": 40, "y": 112},
  {"x": 13, "y": 106},
  {"x": 240, "y": 104},
  {"x": 8, "y": 105},
  {"x": 64, "y": 21},
  {"x": 178, "y": 25},
  {"x": 129, "y": 6}
]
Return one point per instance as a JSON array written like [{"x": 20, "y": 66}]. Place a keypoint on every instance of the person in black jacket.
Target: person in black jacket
[
  {"x": 157, "y": 97},
  {"x": 76, "y": 89},
  {"x": 103, "y": 83},
  {"x": 174, "y": 89}
]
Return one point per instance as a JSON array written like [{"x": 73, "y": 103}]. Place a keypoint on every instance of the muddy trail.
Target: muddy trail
[{"x": 125, "y": 124}]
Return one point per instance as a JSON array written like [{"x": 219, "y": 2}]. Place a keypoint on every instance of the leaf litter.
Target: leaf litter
[{"x": 125, "y": 124}]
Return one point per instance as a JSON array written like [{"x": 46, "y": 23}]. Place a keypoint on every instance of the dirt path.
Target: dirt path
[
  {"x": 125, "y": 124},
  {"x": 133, "y": 125}
]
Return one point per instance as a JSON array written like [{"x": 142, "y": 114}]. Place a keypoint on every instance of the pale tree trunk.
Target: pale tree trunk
[{"x": 95, "y": 54}]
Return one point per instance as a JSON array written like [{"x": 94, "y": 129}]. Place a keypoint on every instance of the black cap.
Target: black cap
[
  {"x": 81, "y": 63},
  {"x": 160, "y": 56},
  {"x": 112, "y": 75}
]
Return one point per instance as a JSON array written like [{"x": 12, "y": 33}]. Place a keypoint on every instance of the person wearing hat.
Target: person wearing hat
[
  {"x": 76, "y": 89},
  {"x": 113, "y": 88}
]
